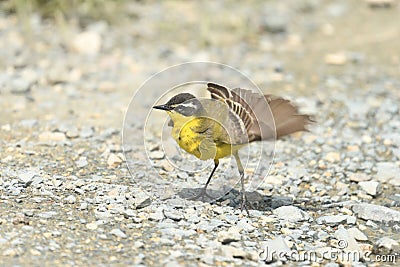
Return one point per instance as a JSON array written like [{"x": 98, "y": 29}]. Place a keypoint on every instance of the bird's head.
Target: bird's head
[{"x": 184, "y": 104}]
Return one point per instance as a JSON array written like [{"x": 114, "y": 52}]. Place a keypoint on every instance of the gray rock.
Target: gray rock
[
  {"x": 231, "y": 235},
  {"x": 157, "y": 155},
  {"x": 372, "y": 188},
  {"x": 103, "y": 215},
  {"x": 182, "y": 233},
  {"x": 47, "y": 214},
  {"x": 183, "y": 175},
  {"x": 52, "y": 138},
  {"x": 345, "y": 240},
  {"x": 114, "y": 160},
  {"x": 322, "y": 235},
  {"x": 351, "y": 220},
  {"x": 12, "y": 252},
  {"x": 137, "y": 219},
  {"x": 211, "y": 225},
  {"x": 173, "y": 214},
  {"x": 118, "y": 232},
  {"x": 87, "y": 42},
  {"x": 142, "y": 200},
  {"x": 29, "y": 123},
  {"x": 156, "y": 216},
  {"x": 92, "y": 226},
  {"x": 376, "y": 213},
  {"x": 245, "y": 226},
  {"x": 74, "y": 133},
  {"x": 173, "y": 263},
  {"x": 231, "y": 218},
  {"x": 357, "y": 234},
  {"x": 332, "y": 219},
  {"x": 86, "y": 132},
  {"x": 20, "y": 86},
  {"x": 27, "y": 176},
  {"x": 129, "y": 213},
  {"x": 274, "y": 23},
  {"x": 395, "y": 181},
  {"x": 372, "y": 224},
  {"x": 380, "y": 3},
  {"x": 269, "y": 249},
  {"x": 232, "y": 252},
  {"x": 359, "y": 177},
  {"x": 291, "y": 214},
  {"x": 336, "y": 9},
  {"x": 386, "y": 244},
  {"x": 387, "y": 171},
  {"x": 81, "y": 162},
  {"x": 138, "y": 244},
  {"x": 56, "y": 233},
  {"x": 218, "y": 210},
  {"x": 167, "y": 241},
  {"x": 71, "y": 199}
]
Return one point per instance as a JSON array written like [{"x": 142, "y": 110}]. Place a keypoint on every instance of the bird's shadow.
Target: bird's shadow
[{"x": 255, "y": 200}]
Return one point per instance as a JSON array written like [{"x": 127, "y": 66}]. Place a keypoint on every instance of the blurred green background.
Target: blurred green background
[{"x": 308, "y": 38}]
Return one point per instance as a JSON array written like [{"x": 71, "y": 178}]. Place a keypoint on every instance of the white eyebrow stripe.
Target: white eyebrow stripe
[{"x": 189, "y": 105}]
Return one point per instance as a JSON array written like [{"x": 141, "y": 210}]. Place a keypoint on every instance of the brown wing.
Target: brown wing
[
  {"x": 227, "y": 127},
  {"x": 257, "y": 105},
  {"x": 265, "y": 117},
  {"x": 235, "y": 103},
  {"x": 238, "y": 121}
]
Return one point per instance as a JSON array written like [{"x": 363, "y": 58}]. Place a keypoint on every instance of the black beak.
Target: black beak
[{"x": 164, "y": 107}]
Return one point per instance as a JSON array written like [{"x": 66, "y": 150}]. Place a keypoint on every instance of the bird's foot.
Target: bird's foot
[{"x": 244, "y": 204}]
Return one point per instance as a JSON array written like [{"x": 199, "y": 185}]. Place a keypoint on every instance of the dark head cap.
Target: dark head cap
[
  {"x": 180, "y": 98},
  {"x": 184, "y": 103}
]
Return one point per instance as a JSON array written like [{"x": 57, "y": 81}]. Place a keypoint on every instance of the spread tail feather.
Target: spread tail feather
[{"x": 287, "y": 120}]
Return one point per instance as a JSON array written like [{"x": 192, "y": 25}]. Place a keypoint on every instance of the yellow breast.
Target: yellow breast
[{"x": 204, "y": 145}]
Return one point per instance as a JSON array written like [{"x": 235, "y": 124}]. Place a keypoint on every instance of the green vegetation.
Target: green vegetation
[{"x": 83, "y": 11}]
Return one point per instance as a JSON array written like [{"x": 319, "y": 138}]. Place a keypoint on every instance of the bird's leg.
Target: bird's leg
[
  {"x": 241, "y": 172},
  {"x": 204, "y": 189}
]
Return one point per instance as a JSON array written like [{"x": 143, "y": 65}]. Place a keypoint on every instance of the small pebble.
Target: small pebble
[
  {"x": 71, "y": 199},
  {"x": 372, "y": 188},
  {"x": 156, "y": 155},
  {"x": 81, "y": 162},
  {"x": 87, "y": 42},
  {"x": 119, "y": 233},
  {"x": 332, "y": 219},
  {"x": 291, "y": 213},
  {"x": 359, "y": 177},
  {"x": 357, "y": 234},
  {"x": 338, "y": 59},
  {"x": 374, "y": 212},
  {"x": 113, "y": 161},
  {"x": 52, "y": 137},
  {"x": 387, "y": 243},
  {"x": 333, "y": 157}
]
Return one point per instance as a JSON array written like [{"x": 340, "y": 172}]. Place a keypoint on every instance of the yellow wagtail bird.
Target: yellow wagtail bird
[{"x": 218, "y": 127}]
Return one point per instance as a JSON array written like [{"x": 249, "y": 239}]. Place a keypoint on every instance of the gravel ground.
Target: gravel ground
[{"x": 67, "y": 197}]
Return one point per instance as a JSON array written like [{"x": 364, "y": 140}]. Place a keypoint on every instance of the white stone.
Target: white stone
[
  {"x": 87, "y": 42},
  {"x": 291, "y": 213},
  {"x": 372, "y": 188}
]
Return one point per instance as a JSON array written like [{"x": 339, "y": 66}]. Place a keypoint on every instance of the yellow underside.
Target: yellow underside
[{"x": 188, "y": 133}]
